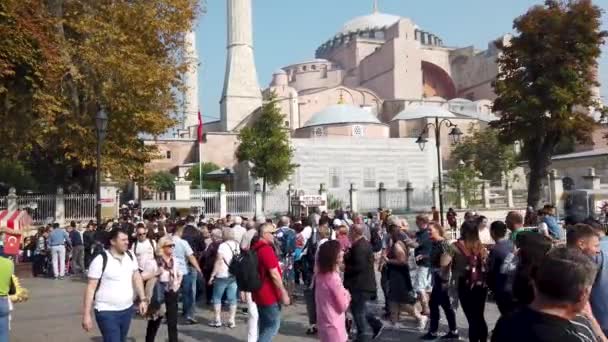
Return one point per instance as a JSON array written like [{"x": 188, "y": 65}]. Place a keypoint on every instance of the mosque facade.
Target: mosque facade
[{"x": 354, "y": 112}]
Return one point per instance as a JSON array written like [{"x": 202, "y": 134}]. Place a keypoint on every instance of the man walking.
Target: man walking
[
  {"x": 58, "y": 238},
  {"x": 272, "y": 293},
  {"x": 77, "y": 249},
  {"x": 112, "y": 276},
  {"x": 88, "y": 240},
  {"x": 143, "y": 248},
  {"x": 360, "y": 280},
  {"x": 188, "y": 266}
]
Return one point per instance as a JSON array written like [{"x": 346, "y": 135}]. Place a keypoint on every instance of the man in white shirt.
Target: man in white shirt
[
  {"x": 112, "y": 276},
  {"x": 143, "y": 248},
  {"x": 238, "y": 230}
]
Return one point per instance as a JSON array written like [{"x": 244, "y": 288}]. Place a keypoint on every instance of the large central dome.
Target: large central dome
[{"x": 375, "y": 20}]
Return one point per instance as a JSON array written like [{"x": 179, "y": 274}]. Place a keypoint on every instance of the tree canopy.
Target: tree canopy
[
  {"x": 193, "y": 175},
  {"x": 265, "y": 145},
  {"x": 543, "y": 87},
  {"x": 61, "y": 61},
  {"x": 488, "y": 155},
  {"x": 161, "y": 181}
]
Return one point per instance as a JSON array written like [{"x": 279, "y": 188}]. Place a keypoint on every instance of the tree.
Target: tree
[
  {"x": 207, "y": 167},
  {"x": 265, "y": 144},
  {"x": 14, "y": 175},
  {"x": 161, "y": 181},
  {"x": 61, "y": 61},
  {"x": 464, "y": 179},
  {"x": 544, "y": 82},
  {"x": 489, "y": 156}
]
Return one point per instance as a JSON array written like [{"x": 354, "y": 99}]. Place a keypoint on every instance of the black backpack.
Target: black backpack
[
  {"x": 244, "y": 267},
  {"x": 104, "y": 263}
]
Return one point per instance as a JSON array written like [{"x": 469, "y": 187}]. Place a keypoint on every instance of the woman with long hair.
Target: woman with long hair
[
  {"x": 222, "y": 280},
  {"x": 331, "y": 298},
  {"x": 163, "y": 281},
  {"x": 401, "y": 293},
  {"x": 440, "y": 269}
]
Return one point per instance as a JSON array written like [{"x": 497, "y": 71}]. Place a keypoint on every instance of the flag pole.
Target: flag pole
[{"x": 200, "y": 151}]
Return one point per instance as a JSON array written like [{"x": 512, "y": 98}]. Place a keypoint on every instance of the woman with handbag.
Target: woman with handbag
[
  {"x": 163, "y": 281},
  {"x": 401, "y": 293}
]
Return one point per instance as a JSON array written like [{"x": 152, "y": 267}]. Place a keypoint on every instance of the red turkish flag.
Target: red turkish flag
[{"x": 11, "y": 243}]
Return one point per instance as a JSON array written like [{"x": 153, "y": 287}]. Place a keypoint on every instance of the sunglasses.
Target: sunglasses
[
  {"x": 169, "y": 246},
  {"x": 144, "y": 234}
]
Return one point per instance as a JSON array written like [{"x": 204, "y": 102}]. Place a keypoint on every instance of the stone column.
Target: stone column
[
  {"x": 509, "y": 188},
  {"x": 485, "y": 193},
  {"x": 557, "y": 189},
  {"x": 462, "y": 202},
  {"x": 409, "y": 191},
  {"x": 591, "y": 180},
  {"x": 223, "y": 201},
  {"x": 435, "y": 190},
  {"x": 60, "y": 207},
  {"x": 258, "y": 200},
  {"x": 323, "y": 193},
  {"x": 354, "y": 198},
  {"x": 182, "y": 189},
  {"x": 11, "y": 200},
  {"x": 382, "y": 196}
]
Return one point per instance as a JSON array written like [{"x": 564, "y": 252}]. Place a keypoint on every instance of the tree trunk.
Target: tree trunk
[
  {"x": 539, "y": 164},
  {"x": 263, "y": 195}
]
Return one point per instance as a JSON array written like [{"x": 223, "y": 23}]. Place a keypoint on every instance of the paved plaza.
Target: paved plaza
[{"x": 53, "y": 313}]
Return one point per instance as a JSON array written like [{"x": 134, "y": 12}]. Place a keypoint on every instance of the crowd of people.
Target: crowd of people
[{"x": 548, "y": 280}]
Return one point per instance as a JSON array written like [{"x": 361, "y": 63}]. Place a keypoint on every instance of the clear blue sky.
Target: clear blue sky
[{"x": 289, "y": 31}]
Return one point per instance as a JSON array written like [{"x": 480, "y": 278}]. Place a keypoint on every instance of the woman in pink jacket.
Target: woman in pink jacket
[{"x": 331, "y": 298}]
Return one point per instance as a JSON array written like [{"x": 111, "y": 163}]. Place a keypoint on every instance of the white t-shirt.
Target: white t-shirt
[
  {"x": 226, "y": 251},
  {"x": 238, "y": 231},
  {"x": 116, "y": 284},
  {"x": 246, "y": 241},
  {"x": 143, "y": 251},
  {"x": 306, "y": 234}
]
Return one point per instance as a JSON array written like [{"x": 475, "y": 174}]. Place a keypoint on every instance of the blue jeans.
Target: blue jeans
[
  {"x": 4, "y": 312},
  {"x": 188, "y": 289},
  {"x": 269, "y": 321},
  {"x": 227, "y": 285},
  {"x": 114, "y": 325},
  {"x": 362, "y": 316}
]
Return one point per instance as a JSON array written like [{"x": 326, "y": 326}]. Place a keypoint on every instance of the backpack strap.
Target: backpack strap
[{"x": 104, "y": 263}]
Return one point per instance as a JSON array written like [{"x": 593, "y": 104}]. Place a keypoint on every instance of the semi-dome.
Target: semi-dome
[
  {"x": 375, "y": 20},
  {"x": 340, "y": 114},
  {"x": 423, "y": 111}
]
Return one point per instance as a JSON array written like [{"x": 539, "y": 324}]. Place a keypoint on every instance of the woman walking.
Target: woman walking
[
  {"x": 222, "y": 280},
  {"x": 163, "y": 280},
  {"x": 440, "y": 268},
  {"x": 331, "y": 298},
  {"x": 401, "y": 293},
  {"x": 469, "y": 275}
]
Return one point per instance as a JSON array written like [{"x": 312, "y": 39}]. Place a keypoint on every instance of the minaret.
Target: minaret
[
  {"x": 242, "y": 94},
  {"x": 191, "y": 107}
]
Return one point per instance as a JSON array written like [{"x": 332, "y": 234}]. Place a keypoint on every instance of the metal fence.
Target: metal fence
[
  {"x": 40, "y": 207},
  {"x": 396, "y": 200},
  {"x": 338, "y": 199},
  {"x": 369, "y": 200},
  {"x": 498, "y": 197},
  {"x": 240, "y": 203},
  {"x": 422, "y": 199},
  {"x": 80, "y": 207},
  {"x": 211, "y": 201},
  {"x": 275, "y": 202}
]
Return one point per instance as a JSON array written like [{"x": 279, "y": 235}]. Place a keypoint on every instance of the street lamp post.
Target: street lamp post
[
  {"x": 101, "y": 124},
  {"x": 455, "y": 134}
]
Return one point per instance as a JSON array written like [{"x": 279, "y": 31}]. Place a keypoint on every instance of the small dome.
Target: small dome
[
  {"x": 459, "y": 100},
  {"x": 341, "y": 113},
  {"x": 423, "y": 111},
  {"x": 279, "y": 72},
  {"x": 375, "y": 20}
]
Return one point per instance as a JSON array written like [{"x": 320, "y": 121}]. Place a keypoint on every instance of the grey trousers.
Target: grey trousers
[{"x": 78, "y": 259}]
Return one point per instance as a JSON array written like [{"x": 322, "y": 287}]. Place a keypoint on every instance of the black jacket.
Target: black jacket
[{"x": 359, "y": 272}]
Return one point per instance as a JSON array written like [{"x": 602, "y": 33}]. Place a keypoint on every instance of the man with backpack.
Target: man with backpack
[
  {"x": 143, "y": 248},
  {"x": 286, "y": 238},
  {"x": 113, "y": 274}
]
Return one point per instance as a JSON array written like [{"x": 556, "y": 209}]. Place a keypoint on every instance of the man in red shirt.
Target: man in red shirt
[{"x": 272, "y": 293}]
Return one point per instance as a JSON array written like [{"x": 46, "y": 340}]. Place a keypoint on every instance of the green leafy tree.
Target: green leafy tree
[
  {"x": 62, "y": 60},
  {"x": 265, "y": 145},
  {"x": 491, "y": 157},
  {"x": 544, "y": 82},
  {"x": 161, "y": 181},
  {"x": 464, "y": 179},
  {"x": 15, "y": 174},
  {"x": 193, "y": 175}
]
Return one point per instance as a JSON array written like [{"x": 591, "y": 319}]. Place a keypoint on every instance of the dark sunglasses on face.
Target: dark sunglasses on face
[{"x": 169, "y": 246}]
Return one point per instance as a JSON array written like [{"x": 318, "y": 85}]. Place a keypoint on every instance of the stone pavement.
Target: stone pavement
[{"x": 53, "y": 313}]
